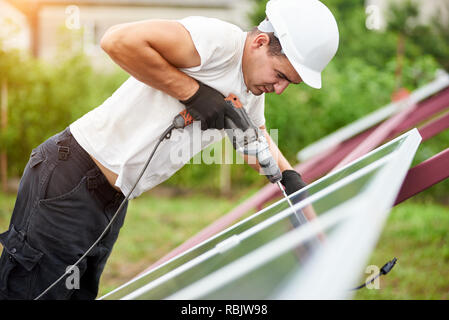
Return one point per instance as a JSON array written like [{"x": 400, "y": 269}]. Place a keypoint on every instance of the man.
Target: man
[{"x": 75, "y": 181}]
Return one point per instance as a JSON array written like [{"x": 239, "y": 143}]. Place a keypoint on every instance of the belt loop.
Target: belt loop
[
  {"x": 63, "y": 153},
  {"x": 92, "y": 183}
]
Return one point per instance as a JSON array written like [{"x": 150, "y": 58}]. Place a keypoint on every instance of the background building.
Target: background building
[
  {"x": 427, "y": 9},
  {"x": 50, "y": 25}
]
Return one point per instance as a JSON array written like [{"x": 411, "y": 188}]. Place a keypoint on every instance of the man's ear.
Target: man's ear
[{"x": 260, "y": 40}]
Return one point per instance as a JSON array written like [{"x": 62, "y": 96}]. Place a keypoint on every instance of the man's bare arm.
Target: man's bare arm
[
  {"x": 151, "y": 51},
  {"x": 277, "y": 154}
]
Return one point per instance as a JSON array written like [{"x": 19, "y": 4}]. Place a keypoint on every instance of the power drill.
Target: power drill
[{"x": 246, "y": 140}]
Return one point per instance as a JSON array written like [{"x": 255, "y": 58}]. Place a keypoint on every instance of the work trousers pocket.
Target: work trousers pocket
[{"x": 18, "y": 264}]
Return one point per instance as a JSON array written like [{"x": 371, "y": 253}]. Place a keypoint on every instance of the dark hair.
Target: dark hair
[{"x": 274, "y": 47}]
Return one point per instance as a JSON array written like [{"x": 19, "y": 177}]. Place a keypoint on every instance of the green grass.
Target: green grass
[
  {"x": 153, "y": 227},
  {"x": 415, "y": 233},
  {"x": 155, "y": 224}
]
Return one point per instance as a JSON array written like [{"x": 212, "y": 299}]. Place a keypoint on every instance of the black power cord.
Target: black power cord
[
  {"x": 384, "y": 270},
  {"x": 165, "y": 135}
]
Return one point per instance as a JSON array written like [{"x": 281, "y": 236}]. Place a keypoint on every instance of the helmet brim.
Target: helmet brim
[{"x": 310, "y": 77}]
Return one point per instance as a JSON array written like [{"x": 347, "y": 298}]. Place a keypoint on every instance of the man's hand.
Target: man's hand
[
  {"x": 209, "y": 106},
  {"x": 292, "y": 181}
]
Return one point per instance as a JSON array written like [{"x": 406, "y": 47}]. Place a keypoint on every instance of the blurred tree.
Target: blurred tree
[
  {"x": 45, "y": 98},
  {"x": 359, "y": 79},
  {"x": 400, "y": 20},
  {"x": 433, "y": 38}
]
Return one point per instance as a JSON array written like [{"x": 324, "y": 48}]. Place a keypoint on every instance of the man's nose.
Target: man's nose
[{"x": 279, "y": 87}]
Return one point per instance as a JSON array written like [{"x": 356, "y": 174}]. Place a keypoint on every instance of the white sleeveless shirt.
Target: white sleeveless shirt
[{"x": 122, "y": 132}]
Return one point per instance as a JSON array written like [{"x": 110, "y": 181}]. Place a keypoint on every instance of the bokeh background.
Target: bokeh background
[{"x": 52, "y": 71}]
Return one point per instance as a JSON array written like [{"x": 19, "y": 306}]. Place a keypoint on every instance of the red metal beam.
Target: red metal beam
[
  {"x": 412, "y": 185},
  {"x": 317, "y": 167},
  {"x": 321, "y": 165},
  {"x": 433, "y": 128},
  {"x": 426, "y": 109},
  {"x": 377, "y": 136},
  {"x": 400, "y": 122},
  {"x": 424, "y": 175}
]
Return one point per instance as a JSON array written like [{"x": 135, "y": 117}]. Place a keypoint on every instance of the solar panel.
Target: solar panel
[{"x": 268, "y": 256}]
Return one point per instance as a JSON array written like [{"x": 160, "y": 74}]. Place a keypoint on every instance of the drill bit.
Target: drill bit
[{"x": 300, "y": 217}]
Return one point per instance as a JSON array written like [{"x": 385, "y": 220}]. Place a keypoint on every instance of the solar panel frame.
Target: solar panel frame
[
  {"x": 313, "y": 197},
  {"x": 363, "y": 236},
  {"x": 237, "y": 239},
  {"x": 315, "y": 280}
]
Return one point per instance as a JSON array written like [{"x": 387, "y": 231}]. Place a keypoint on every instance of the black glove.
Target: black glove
[
  {"x": 292, "y": 182},
  {"x": 209, "y": 106}
]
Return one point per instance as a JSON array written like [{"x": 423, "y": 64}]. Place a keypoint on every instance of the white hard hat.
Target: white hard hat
[{"x": 308, "y": 34}]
